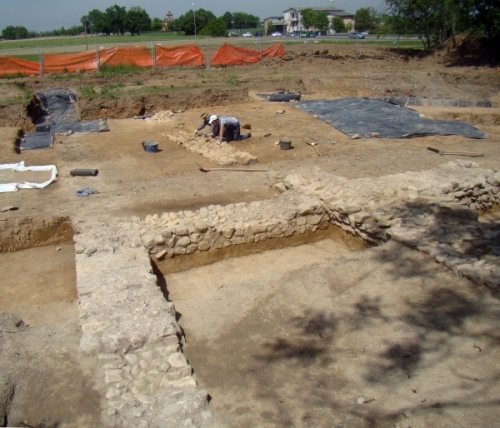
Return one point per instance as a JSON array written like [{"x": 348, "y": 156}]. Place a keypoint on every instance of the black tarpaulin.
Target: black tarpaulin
[
  {"x": 59, "y": 116},
  {"x": 365, "y": 116}
]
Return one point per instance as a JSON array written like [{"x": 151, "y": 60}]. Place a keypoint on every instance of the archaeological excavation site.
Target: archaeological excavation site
[{"x": 339, "y": 267}]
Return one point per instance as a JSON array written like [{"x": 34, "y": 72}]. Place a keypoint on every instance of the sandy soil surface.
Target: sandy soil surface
[
  {"x": 319, "y": 336},
  {"x": 328, "y": 326}
]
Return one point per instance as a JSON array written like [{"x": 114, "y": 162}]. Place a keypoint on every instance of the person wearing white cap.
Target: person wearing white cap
[{"x": 229, "y": 128}]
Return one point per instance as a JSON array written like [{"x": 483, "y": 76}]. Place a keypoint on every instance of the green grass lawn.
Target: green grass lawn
[
  {"x": 80, "y": 40},
  {"x": 160, "y": 36}
]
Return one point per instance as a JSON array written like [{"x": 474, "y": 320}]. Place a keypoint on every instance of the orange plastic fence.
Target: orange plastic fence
[
  {"x": 165, "y": 56},
  {"x": 12, "y": 65},
  {"x": 70, "y": 62},
  {"x": 169, "y": 56},
  {"x": 275, "y": 50},
  {"x": 129, "y": 55},
  {"x": 234, "y": 55}
]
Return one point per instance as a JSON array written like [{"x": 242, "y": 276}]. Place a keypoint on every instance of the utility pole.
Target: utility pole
[
  {"x": 194, "y": 17},
  {"x": 86, "y": 43}
]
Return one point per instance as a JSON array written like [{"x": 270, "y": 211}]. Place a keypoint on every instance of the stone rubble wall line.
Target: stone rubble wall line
[
  {"x": 224, "y": 154},
  {"x": 131, "y": 329},
  {"x": 417, "y": 209}
]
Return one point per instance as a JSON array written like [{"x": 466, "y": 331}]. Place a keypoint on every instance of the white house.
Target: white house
[{"x": 293, "y": 17}]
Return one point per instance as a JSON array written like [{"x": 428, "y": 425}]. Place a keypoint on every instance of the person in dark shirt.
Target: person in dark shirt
[{"x": 206, "y": 119}]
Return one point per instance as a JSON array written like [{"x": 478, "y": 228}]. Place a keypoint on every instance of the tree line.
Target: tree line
[
  {"x": 434, "y": 21},
  {"x": 118, "y": 20},
  {"x": 114, "y": 20}
]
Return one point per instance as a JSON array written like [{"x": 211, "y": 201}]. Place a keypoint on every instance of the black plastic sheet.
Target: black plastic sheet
[
  {"x": 59, "y": 116},
  {"x": 281, "y": 96},
  {"x": 366, "y": 117}
]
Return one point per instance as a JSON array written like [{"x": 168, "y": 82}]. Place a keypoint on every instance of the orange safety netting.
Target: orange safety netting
[
  {"x": 130, "y": 55},
  {"x": 275, "y": 50},
  {"x": 70, "y": 62},
  {"x": 234, "y": 55},
  {"x": 13, "y": 65},
  {"x": 168, "y": 56}
]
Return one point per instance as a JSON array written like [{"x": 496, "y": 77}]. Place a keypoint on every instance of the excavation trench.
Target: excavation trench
[{"x": 40, "y": 330}]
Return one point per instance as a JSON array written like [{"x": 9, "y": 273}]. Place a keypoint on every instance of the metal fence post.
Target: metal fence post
[
  {"x": 154, "y": 54},
  {"x": 97, "y": 60},
  {"x": 41, "y": 61},
  {"x": 208, "y": 53}
]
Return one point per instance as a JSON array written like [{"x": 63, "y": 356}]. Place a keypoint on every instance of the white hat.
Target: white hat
[{"x": 212, "y": 118}]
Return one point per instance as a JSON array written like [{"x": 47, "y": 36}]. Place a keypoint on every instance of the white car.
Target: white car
[
  {"x": 247, "y": 34},
  {"x": 276, "y": 34}
]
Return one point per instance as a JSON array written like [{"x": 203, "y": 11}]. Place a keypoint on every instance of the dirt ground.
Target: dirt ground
[{"x": 327, "y": 326}]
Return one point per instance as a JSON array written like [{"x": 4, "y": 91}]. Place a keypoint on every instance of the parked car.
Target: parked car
[
  {"x": 307, "y": 34},
  {"x": 259, "y": 34},
  {"x": 247, "y": 34},
  {"x": 233, "y": 34},
  {"x": 356, "y": 35},
  {"x": 276, "y": 34}
]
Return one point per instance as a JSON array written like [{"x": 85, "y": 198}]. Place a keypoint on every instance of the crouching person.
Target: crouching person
[{"x": 229, "y": 128}]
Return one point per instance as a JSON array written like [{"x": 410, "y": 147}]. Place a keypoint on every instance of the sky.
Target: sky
[{"x": 46, "y": 15}]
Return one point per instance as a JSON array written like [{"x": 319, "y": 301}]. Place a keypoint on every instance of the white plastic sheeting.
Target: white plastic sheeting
[{"x": 19, "y": 167}]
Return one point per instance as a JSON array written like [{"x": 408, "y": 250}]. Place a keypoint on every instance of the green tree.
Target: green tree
[
  {"x": 388, "y": 25},
  {"x": 187, "y": 21},
  {"x": 244, "y": 20},
  {"x": 308, "y": 17},
  {"x": 436, "y": 20},
  {"x": 137, "y": 20},
  {"x": 414, "y": 16},
  {"x": 115, "y": 19},
  {"x": 316, "y": 20},
  {"x": 321, "y": 21},
  {"x": 203, "y": 17},
  {"x": 481, "y": 17},
  {"x": 96, "y": 21},
  {"x": 156, "y": 24},
  {"x": 14, "y": 33},
  {"x": 215, "y": 28},
  {"x": 9, "y": 33},
  {"x": 366, "y": 19},
  {"x": 228, "y": 20},
  {"x": 338, "y": 25}
]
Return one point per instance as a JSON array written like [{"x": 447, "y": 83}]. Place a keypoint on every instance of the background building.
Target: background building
[
  {"x": 293, "y": 18},
  {"x": 167, "y": 21}
]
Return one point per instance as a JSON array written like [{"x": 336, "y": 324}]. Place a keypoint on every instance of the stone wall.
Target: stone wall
[
  {"x": 434, "y": 211},
  {"x": 131, "y": 329}
]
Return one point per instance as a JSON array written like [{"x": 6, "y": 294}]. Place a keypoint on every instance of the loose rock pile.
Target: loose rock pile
[{"x": 161, "y": 116}]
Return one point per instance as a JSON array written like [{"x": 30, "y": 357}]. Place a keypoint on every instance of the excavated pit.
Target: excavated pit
[{"x": 39, "y": 316}]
